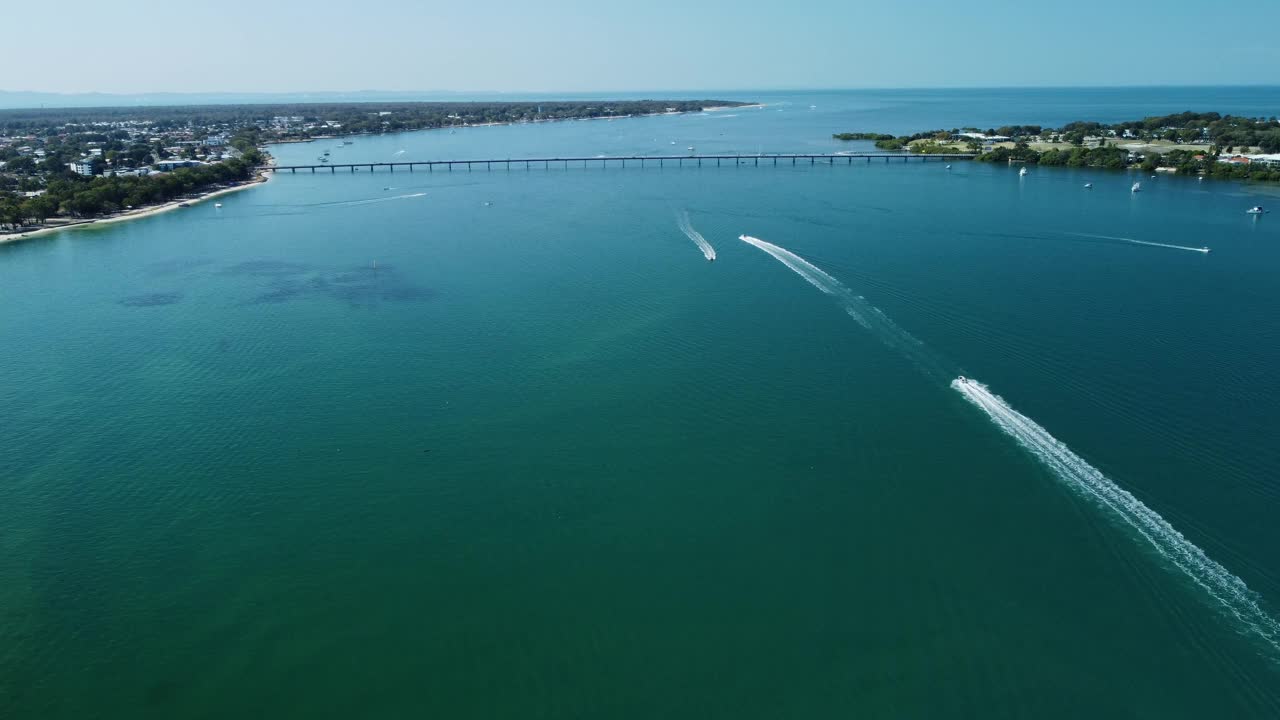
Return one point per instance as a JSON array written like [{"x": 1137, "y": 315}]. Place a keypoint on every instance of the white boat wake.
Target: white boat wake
[
  {"x": 1229, "y": 590},
  {"x": 687, "y": 228},
  {"x": 1141, "y": 242},
  {"x": 856, "y": 306},
  {"x": 348, "y": 203}
]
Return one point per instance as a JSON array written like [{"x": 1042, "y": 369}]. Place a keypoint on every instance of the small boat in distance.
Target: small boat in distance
[
  {"x": 1088, "y": 186},
  {"x": 1022, "y": 172},
  {"x": 1137, "y": 187},
  {"x": 1255, "y": 210},
  {"x": 184, "y": 204},
  {"x": 217, "y": 205},
  {"x": 690, "y": 148},
  {"x": 347, "y": 142}
]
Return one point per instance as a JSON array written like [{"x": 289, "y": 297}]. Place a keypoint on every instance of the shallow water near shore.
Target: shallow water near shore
[{"x": 506, "y": 444}]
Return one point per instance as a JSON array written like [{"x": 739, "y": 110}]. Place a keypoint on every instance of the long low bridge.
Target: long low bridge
[{"x": 621, "y": 161}]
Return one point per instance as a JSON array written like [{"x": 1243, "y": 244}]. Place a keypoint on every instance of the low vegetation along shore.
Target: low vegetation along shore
[
  {"x": 68, "y": 167},
  {"x": 1204, "y": 144}
]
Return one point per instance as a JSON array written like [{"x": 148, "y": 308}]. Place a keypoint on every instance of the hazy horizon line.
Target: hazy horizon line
[{"x": 794, "y": 88}]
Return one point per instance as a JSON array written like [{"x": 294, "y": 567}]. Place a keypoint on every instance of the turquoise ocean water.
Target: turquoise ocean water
[{"x": 505, "y": 444}]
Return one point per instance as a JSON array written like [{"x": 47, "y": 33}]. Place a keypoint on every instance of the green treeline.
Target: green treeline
[
  {"x": 862, "y": 136},
  {"x": 289, "y": 120},
  {"x": 1185, "y": 162},
  {"x": 1219, "y": 133},
  {"x": 86, "y": 197}
]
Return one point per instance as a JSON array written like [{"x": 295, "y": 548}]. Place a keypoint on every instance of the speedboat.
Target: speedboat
[
  {"x": 217, "y": 205},
  {"x": 948, "y": 167},
  {"x": 1022, "y": 172},
  {"x": 690, "y": 148},
  {"x": 1137, "y": 187},
  {"x": 1255, "y": 210},
  {"x": 1088, "y": 186}
]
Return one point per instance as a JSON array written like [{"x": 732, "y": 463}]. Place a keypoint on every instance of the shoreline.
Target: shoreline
[
  {"x": 336, "y": 136},
  {"x": 262, "y": 177}
]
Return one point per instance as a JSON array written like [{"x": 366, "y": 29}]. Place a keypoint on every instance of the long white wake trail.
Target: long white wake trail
[
  {"x": 864, "y": 313},
  {"x": 1229, "y": 590},
  {"x": 686, "y": 227},
  {"x": 1141, "y": 242}
]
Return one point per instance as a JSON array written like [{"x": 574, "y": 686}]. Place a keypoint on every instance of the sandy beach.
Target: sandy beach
[{"x": 138, "y": 213}]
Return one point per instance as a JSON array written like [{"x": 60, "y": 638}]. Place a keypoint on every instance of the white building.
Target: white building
[
  {"x": 167, "y": 165},
  {"x": 82, "y": 167}
]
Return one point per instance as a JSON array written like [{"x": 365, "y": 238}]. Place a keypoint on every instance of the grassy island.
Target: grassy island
[{"x": 1206, "y": 144}]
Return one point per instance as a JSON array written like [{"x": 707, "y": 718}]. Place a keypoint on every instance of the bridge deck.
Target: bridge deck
[{"x": 621, "y": 161}]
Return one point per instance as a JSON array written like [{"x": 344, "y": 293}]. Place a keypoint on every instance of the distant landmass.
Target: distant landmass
[{"x": 10, "y": 99}]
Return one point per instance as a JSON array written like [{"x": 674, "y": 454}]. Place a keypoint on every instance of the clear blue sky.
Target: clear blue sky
[{"x": 575, "y": 45}]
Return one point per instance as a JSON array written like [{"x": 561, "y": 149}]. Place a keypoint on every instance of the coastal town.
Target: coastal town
[{"x": 63, "y": 167}]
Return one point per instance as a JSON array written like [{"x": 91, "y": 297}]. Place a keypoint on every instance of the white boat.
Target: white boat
[
  {"x": 673, "y": 142},
  {"x": 1137, "y": 187},
  {"x": 1088, "y": 186},
  {"x": 690, "y": 148},
  {"x": 1255, "y": 210},
  {"x": 217, "y": 205},
  {"x": 1022, "y": 172},
  {"x": 948, "y": 167}
]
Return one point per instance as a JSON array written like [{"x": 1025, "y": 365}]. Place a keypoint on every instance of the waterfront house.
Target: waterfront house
[{"x": 167, "y": 165}]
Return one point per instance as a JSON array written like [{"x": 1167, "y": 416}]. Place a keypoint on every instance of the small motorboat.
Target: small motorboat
[
  {"x": 1137, "y": 187},
  {"x": 217, "y": 205},
  {"x": 184, "y": 204},
  {"x": 1088, "y": 186},
  {"x": 1255, "y": 210},
  {"x": 948, "y": 167},
  {"x": 1022, "y": 172},
  {"x": 690, "y": 148}
]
